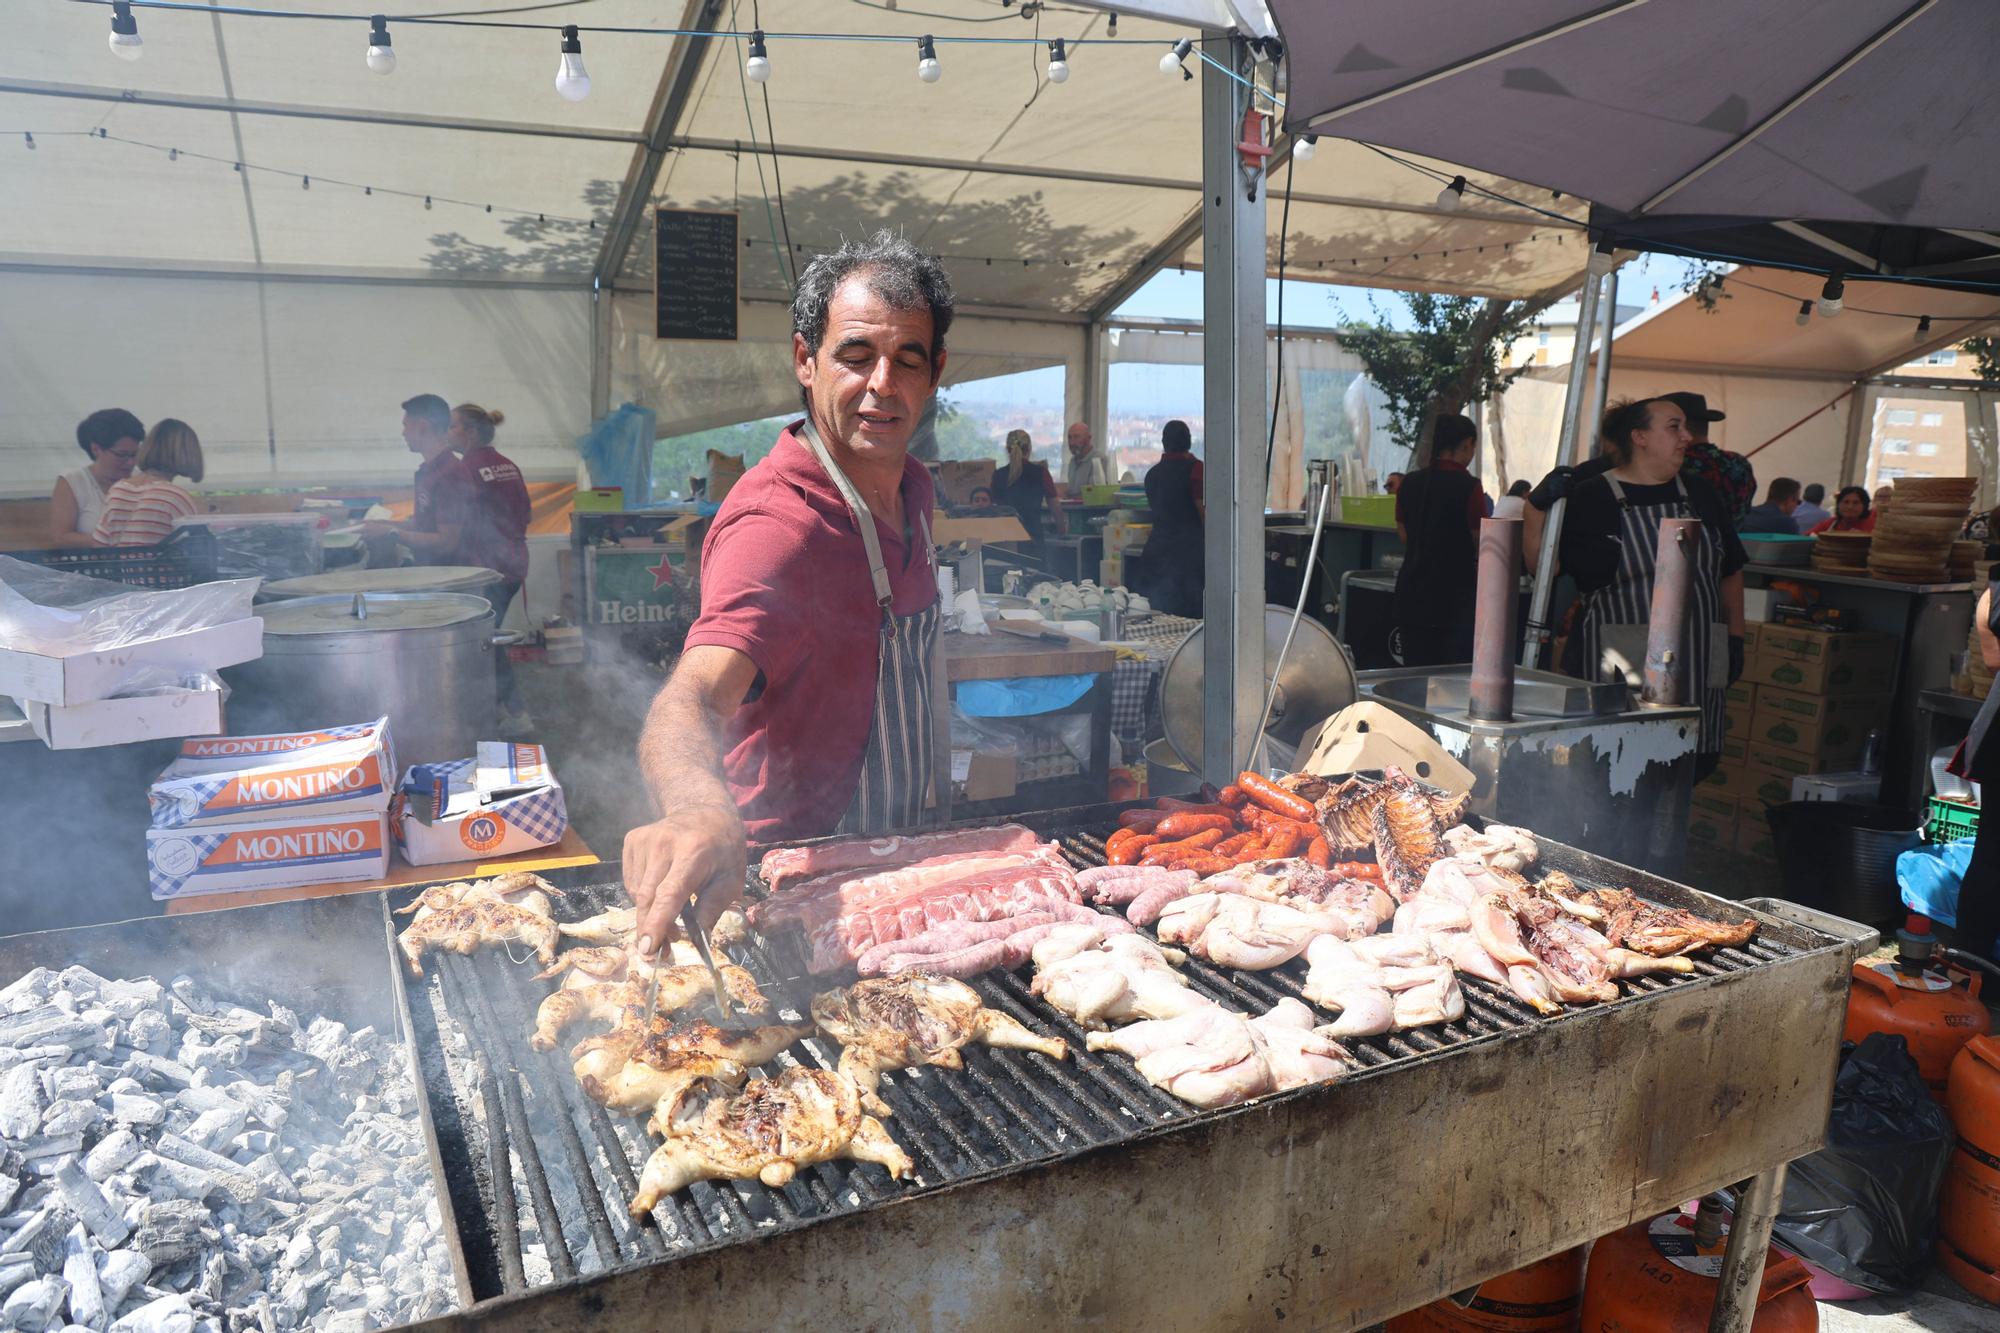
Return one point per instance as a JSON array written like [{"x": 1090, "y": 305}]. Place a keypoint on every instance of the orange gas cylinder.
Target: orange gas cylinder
[
  {"x": 1969, "y": 1211},
  {"x": 1655, "y": 1277},
  {"x": 1935, "y": 1011},
  {"x": 1541, "y": 1298}
]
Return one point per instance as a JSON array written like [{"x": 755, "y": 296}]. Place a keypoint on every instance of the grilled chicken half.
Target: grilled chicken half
[
  {"x": 914, "y": 1018},
  {"x": 629, "y": 1070},
  {"x": 516, "y": 889},
  {"x": 766, "y": 1132},
  {"x": 464, "y": 928},
  {"x": 619, "y": 927},
  {"x": 611, "y": 1002}
]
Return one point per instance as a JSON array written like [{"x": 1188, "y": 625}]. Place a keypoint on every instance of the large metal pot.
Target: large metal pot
[{"x": 424, "y": 659}]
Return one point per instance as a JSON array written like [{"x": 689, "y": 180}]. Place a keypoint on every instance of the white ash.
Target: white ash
[{"x": 171, "y": 1162}]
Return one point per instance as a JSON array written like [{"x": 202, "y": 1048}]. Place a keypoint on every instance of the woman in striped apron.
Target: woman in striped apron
[{"x": 1610, "y": 540}]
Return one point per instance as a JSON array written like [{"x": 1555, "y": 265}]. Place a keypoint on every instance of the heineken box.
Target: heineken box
[
  {"x": 642, "y": 582},
  {"x": 1810, "y": 660},
  {"x": 1830, "y": 730}
]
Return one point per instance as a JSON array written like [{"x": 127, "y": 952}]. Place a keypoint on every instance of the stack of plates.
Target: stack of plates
[
  {"x": 1965, "y": 558},
  {"x": 1842, "y": 552},
  {"x": 1977, "y": 681},
  {"x": 1914, "y": 535}
]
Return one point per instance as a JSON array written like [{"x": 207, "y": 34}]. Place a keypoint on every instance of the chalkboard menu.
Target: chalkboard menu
[{"x": 694, "y": 275}]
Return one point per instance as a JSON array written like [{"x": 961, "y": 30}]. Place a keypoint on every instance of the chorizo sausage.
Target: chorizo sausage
[
  {"x": 1367, "y": 870},
  {"x": 1276, "y": 799},
  {"x": 1283, "y": 843},
  {"x": 1319, "y": 853},
  {"x": 1161, "y": 852},
  {"x": 1143, "y": 820},
  {"x": 1234, "y": 797},
  {"x": 1128, "y": 851},
  {"x": 1186, "y": 825}
]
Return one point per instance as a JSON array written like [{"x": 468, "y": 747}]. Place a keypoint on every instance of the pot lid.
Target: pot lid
[
  {"x": 403, "y": 578},
  {"x": 374, "y": 612},
  {"x": 1317, "y": 681}
]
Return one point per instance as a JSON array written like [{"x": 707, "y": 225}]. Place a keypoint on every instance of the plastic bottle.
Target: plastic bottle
[{"x": 1871, "y": 753}]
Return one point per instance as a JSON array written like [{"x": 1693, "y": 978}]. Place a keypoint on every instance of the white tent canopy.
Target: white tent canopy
[{"x": 250, "y": 230}]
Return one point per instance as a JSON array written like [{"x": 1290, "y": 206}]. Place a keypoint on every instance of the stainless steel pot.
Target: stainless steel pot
[{"x": 424, "y": 659}]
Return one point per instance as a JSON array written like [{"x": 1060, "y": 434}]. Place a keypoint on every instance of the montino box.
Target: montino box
[
  {"x": 220, "y": 754},
  {"x": 349, "y": 774},
  {"x": 311, "y": 848}
]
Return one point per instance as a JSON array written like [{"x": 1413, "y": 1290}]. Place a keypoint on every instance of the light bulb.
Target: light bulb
[
  {"x": 1829, "y": 296},
  {"x": 928, "y": 68},
  {"x": 1058, "y": 63},
  {"x": 1452, "y": 195},
  {"x": 1805, "y": 314},
  {"x": 1304, "y": 147},
  {"x": 1923, "y": 328},
  {"x": 1170, "y": 63},
  {"x": 381, "y": 55},
  {"x": 125, "y": 43},
  {"x": 572, "y": 80},
  {"x": 758, "y": 67}
]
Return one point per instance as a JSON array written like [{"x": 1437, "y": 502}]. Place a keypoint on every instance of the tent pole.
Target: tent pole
[
  {"x": 1607, "y": 322},
  {"x": 1569, "y": 452},
  {"x": 1853, "y": 467},
  {"x": 600, "y": 352},
  {"x": 1233, "y": 409},
  {"x": 1096, "y": 386}
]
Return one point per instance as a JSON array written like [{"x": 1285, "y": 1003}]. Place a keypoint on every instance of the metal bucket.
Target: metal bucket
[
  {"x": 1840, "y": 857},
  {"x": 1166, "y": 775},
  {"x": 426, "y": 660}
]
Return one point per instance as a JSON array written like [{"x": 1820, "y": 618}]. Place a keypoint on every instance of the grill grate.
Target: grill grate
[{"x": 534, "y": 1166}]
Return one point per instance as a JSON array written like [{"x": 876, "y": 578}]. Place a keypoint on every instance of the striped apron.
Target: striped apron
[
  {"x": 1626, "y": 603},
  {"x": 900, "y": 758}
]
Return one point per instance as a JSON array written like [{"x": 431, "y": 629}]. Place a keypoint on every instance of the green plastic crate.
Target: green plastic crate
[
  {"x": 1951, "y": 821},
  {"x": 1378, "y": 511}
]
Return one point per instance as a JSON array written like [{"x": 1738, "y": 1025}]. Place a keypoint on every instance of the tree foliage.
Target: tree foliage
[
  {"x": 1985, "y": 351},
  {"x": 1450, "y": 356}
]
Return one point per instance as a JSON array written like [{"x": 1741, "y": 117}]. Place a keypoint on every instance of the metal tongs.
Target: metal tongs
[{"x": 727, "y": 1013}]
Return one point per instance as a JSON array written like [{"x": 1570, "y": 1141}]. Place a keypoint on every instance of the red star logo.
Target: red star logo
[{"x": 663, "y": 574}]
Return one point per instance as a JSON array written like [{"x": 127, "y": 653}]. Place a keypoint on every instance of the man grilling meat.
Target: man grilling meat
[{"x": 802, "y": 705}]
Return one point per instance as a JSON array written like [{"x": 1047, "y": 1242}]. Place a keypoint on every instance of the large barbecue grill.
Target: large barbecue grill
[{"x": 1075, "y": 1191}]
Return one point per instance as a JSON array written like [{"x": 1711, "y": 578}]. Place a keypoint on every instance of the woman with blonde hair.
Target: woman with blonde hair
[
  {"x": 1027, "y": 488},
  {"x": 495, "y": 533},
  {"x": 140, "y": 510}
]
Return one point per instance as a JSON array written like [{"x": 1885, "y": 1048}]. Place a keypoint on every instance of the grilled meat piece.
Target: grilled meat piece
[
  {"x": 1409, "y": 840},
  {"x": 766, "y": 1132},
  {"x": 1630, "y": 922},
  {"x": 914, "y": 1018},
  {"x": 464, "y": 928},
  {"x": 613, "y": 926},
  {"x": 1295, "y": 882},
  {"x": 517, "y": 888},
  {"x": 1347, "y": 808},
  {"x": 680, "y": 988},
  {"x": 629, "y": 1070},
  {"x": 609, "y": 963},
  {"x": 1497, "y": 846}
]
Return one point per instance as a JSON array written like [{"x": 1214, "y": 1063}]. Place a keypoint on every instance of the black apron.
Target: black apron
[
  {"x": 1026, "y": 495},
  {"x": 900, "y": 759},
  {"x": 1174, "y": 556},
  {"x": 1627, "y": 603},
  {"x": 1437, "y": 587}
]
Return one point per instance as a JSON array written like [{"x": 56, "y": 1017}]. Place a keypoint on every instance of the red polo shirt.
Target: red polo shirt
[
  {"x": 784, "y": 581},
  {"x": 495, "y": 535}
]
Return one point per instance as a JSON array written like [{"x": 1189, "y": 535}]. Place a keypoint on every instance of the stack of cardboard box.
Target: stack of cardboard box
[{"x": 1806, "y": 703}]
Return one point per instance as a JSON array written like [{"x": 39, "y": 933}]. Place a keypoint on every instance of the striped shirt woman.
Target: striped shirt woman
[{"x": 140, "y": 510}]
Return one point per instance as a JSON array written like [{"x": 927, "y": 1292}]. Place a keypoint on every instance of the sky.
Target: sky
[{"x": 1171, "y": 294}]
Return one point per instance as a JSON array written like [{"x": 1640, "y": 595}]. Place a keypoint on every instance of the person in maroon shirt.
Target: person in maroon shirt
[
  {"x": 802, "y": 704},
  {"x": 495, "y": 533},
  {"x": 443, "y": 488}
]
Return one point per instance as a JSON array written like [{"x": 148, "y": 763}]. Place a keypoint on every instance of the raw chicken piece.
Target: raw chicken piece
[
  {"x": 1296, "y": 1052},
  {"x": 1295, "y": 882},
  {"x": 1120, "y": 979},
  {"x": 766, "y": 1132},
  {"x": 464, "y": 929},
  {"x": 1234, "y": 931},
  {"x": 1216, "y": 1057},
  {"x": 680, "y": 988},
  {"x": 1499, "y": 846},
  {"x": 915, "y": 1018},
  {"x": 1383, "y": 984},
  {"x": 1441, "y": 914},
  {"x": 629, "y": 1070}
]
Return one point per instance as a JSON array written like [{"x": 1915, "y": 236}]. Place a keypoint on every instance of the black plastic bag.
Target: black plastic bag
[{"x": 1865, "y": 1207}]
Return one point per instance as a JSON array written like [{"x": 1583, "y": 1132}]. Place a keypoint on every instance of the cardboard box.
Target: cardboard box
[
  {"x": 1714, "y": 830},
  {"x": 309, "y": 848},
  {"x": 86, "y": 677},
  {"x": 1001, "y": 528},
  {"x": 1736, "y": 720},
  {"x": 1753, "y": 631},
  {"x": 1763, "y": 785},
  {"x": 1729, "y": 782},
  {"x": 350, "y": 775},
  {"x": 957, "y": 479},
  {"x": 1776, "y": 759},
  {"x": 1742, "y": 692},
  {"x": 221, "y": 754},
  {"x": 1715, "y": 805},
  {"x": 195, "y": 711},
  {"x": 505, "y": 800},
  {"x": 1754, "y": 839},
  {"x": 981, "y": 775},
  {"x": 1810, "y": 660},
  {"x": 1865, "y": 788},
  {"x": 1831, "y": 729}
]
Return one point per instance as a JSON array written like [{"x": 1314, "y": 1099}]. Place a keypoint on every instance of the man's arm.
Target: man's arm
[{"x": 695, "y": 848}]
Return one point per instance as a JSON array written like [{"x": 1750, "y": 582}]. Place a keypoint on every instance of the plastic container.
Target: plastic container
[
  {"x": 1969, "y": 1211},
  {"x": 1935, "y": 1012},
  {"x": 1840, "y": 856},
  {"x": 183, "y": 560},
  {"x": 268, "y": 546},
  {"x": 1949, "y": 821},
  {"x": 1653, "y": 1278},
  {"x": 1376, "y": 511},
  {"x": 1541, "y": 1298}
]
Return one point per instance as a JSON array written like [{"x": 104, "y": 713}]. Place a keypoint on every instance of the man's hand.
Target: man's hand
[{"x": 694, "y": 853}]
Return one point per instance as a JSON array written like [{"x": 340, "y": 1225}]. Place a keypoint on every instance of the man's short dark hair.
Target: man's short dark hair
[
  {"x": 105, "y": 427},
  {"x": 1815, "y": 493},
  {"x": 898, "y": 272},
  {"x": 1452, "y": 431},
  {"x": 1782, "y": 489},
  {"x": 430, "y": 409},
  {"x": 1175, "y": 437}
]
